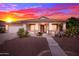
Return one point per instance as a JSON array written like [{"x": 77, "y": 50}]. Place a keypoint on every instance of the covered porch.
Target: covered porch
[{"x": 49, "y": 28}]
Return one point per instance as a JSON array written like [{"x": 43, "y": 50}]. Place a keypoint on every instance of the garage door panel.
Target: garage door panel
[{"x": 14, "y": 29}]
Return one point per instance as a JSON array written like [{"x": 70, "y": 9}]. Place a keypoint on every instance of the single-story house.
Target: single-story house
[{"x": 42, "y": 24}]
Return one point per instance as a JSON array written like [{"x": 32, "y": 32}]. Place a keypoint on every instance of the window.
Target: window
[
  {"x": 32, "y": 27},
  {"x": 54, "y": 27}
]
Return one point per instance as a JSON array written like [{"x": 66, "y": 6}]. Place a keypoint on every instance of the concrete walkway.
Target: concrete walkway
[
  {"x": 7, "y": 36},
  {"x": 54, "y": 47}
]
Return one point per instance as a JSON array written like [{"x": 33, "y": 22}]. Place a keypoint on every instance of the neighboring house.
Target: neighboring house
[
  {"x": 42, "y": 24},
  {"x": 2, "y": 26}
]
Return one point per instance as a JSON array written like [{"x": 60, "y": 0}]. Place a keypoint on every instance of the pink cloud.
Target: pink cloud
[{"x": 36, "y": 12}]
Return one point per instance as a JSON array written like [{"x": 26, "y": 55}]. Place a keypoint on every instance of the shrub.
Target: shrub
[
  {"x": 39, "y": 34},
  {"x": 21, "y": 33},
  {"x": 72, "y": 27},
  {"x": 72, "y": 31},
  {"x": 60, "y": 34}
]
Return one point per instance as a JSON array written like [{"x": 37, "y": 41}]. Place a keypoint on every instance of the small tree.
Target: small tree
[
  {"x": 21, "y": 32},
  {"x": 72, "y": 22},
  {"x": 73, "y": 26}
]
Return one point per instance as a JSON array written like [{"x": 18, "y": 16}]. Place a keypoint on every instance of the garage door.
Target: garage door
[{"x": 14, "y": 29}]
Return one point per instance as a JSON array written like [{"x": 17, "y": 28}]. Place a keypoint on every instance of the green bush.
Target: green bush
[
  {"x": 72, "y": 27},
  {"x": 22, "y": 33},
  {"x": 60, "y": 34},
  {"x": 72, "y": 32}
]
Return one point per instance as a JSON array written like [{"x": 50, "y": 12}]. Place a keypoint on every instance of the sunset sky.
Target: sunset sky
[{"x": 24, "y": 11}]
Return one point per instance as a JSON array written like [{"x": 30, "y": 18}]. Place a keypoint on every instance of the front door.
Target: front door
[{"x": 43, "y": 28}]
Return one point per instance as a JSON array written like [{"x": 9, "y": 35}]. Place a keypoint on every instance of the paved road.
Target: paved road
[{"x": 7, "y": 36}]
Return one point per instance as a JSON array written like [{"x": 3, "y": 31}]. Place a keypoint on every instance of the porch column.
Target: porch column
[
  {"x": 24, "y": 26},
  {"x": 6, "y": 27},
  {"x": 50, "y": 28},
  {"x": 64, "y": 26},
  {"x": 58, "y": 28},
  {"x": 37, "y": 27}
]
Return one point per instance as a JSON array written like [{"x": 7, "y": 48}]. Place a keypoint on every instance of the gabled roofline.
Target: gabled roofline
[{"x": 40, "y": 20}]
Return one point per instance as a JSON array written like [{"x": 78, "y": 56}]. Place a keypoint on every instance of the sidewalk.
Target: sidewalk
[{"x": 54, "y": 47}]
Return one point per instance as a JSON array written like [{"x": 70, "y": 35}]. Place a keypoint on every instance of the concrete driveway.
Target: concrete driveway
[{"x": 7, "y": 36}]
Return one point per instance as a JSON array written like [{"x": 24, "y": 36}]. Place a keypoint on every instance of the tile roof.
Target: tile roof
[{"x": 41, "y": 19}]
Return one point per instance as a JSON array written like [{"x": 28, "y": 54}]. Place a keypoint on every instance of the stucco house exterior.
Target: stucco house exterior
[{"x": 42, "y": 24}]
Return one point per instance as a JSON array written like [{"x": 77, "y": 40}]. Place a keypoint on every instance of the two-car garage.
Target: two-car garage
[{"x": 14, "y": 28}]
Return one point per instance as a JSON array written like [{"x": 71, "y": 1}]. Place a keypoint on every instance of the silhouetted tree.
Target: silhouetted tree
[
  {"x": 73, "y": 25},
  {"x": 72, "y": 22}
]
